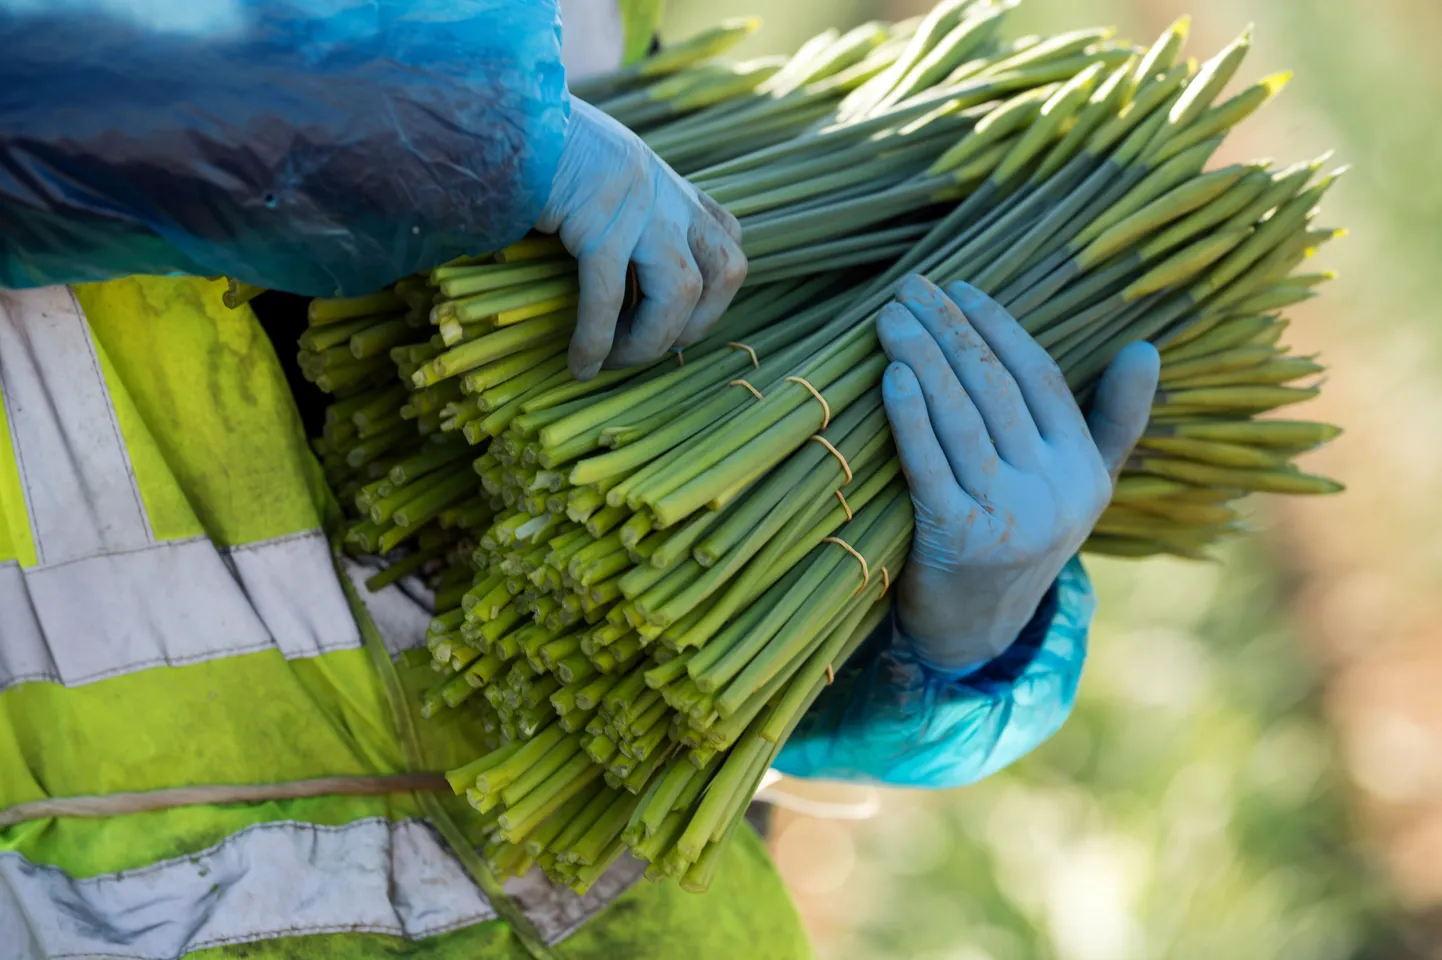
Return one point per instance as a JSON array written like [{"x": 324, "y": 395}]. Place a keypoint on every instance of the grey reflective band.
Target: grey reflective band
[
  {"x": 593, "y": 37},
  {"x": 401, "y": 611},
  {"x": 281, "y": 879},
  {"x": 105, "y": 596},
  {"x": 80, "y": 492},
  {"x": 556, "y": 912},
  {"x": 274, "y": 880},
  {"x": 174, "y": 603}
]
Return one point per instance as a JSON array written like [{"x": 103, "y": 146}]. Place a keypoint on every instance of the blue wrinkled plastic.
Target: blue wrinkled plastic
[
  {"x": 891, "y": 719},
  {"x": 319, "y": 147}
]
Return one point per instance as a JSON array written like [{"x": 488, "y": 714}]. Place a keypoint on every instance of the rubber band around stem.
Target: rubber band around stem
[
  {"x": 865, "y": 570},
  {"x": 825, "y": 407},
  {"x": 755, "y": 363},
  {"x": 845, "y": 506},
  {"x": 835, "y": 453},
  {"x": 743, "y": 383}
]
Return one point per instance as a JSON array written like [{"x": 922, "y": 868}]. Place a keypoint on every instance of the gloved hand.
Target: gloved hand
[
  {"x": 614, "y": 202},
  {"x": 1007, "y": 476}
]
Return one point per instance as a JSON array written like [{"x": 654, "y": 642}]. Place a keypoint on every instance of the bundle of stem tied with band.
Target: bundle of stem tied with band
[{"x": 644, "y": 579}]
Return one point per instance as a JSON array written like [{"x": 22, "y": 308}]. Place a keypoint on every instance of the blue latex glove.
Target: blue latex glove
[
  {"x": 979, "y": 663},
  {"x": 615, "y": 202},
  {"x": 313, "y": 146},
  {"x": 1007, "y": 476}
]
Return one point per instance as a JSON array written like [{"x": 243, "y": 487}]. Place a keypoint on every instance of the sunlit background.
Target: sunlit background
[{"x": 1254, "y": 769}]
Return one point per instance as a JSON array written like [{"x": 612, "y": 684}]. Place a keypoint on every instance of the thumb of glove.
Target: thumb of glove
[{"x": 1123, "y": 403}]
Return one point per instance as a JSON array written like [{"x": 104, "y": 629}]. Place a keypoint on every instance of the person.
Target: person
[{"x": 205, "y": 743}]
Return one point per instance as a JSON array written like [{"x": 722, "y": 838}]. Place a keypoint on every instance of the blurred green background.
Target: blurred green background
[{"x": 1254, "y": 769}]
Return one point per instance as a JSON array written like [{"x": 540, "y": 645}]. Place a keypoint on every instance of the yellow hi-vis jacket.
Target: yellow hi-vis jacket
[{"x": 172, "y": 615}]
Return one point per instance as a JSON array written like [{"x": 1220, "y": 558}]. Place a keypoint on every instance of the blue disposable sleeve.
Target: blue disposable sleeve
[
  {"x": 891, "y": 718},
  {"x": 320, "y": 147}
]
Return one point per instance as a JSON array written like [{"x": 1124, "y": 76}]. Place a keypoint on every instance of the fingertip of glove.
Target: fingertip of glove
[
  {"x": 583, "y": 370},
  {"x": 893, "y": 323},
  {"x": 914, "y": 286},
  {"x": 1141, "y": 352},
  {"x": 899, "y": 382},
  {"x": 1137, "y": 363},
  {"x": 961, "y": 292}
]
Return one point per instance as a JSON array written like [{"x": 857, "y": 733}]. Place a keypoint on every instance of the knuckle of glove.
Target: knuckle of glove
[
  {"x": 689, "y": 283},
  {"x": 733, "y": 264},
  {"x": 716, "y": 249}
]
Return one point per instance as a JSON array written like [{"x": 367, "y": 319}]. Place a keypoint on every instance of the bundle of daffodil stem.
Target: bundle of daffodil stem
[{"x": 645, "y": 579}]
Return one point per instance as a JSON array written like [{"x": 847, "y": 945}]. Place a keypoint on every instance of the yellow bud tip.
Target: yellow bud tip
[
  {"x": 1246, "y": 36},
  {"x": 747, "y": 25},
  {"x": 1275, "y": 82},
  {"x": 1182, "y": 26}
]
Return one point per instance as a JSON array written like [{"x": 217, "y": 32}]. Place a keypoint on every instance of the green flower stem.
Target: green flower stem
[
  {"x": 424, "y": 507},
  {"x": 734, "y": 649},
  {"x": 564, "y": 783},
  {"x": 857, "y": 434},
  {"x": 457, "y": 282},
  {"x": 843, "y": 640},
  {"x": 816, "y": 487},
  {"x": 681, "y": 577},
  {"x": 776, "y": 425},
  {"x": 773, "y": 367},
  {"x": 546, "y": 329},
  {"x": 894, "y": 525},
  {"x": 742, "y": 767},
  {"x": 539, "y": 839},
  {"x": 503, "y": 774},
  {"x": 514, "y": 388},
  {"x": 465, "y": 776}
]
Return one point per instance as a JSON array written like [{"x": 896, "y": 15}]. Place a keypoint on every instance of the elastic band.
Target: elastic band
[
  {"x": 680, "y": 358},
  {"x": 743, "y": 383},
  {"x": 825, "y": 407},
  {"x": 845, "y": 506},
  {"x": 835, "y": 453},
  {"x": 885, "y": 583},
  {"x": 755, "y": 364},
  {"x": 830, "y": 675},
  {"x": 865, "y": 570},
  {"x": 170, "y": 798}
]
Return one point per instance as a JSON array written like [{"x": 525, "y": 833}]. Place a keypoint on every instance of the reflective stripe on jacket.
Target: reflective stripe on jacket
[{"x": 597, "y": 36}]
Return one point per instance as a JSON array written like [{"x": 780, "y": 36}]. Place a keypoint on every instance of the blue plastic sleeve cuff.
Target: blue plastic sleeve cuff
[{"x": 889, "y": 718}]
